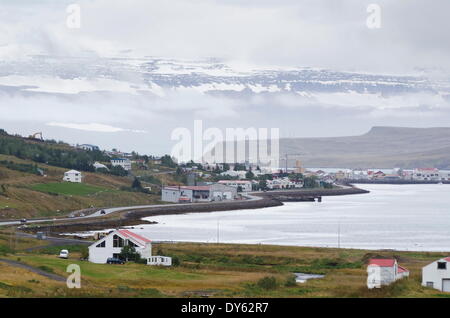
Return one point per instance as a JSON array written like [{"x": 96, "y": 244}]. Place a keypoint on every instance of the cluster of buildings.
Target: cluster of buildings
[
  {"x": 276, "y": 183},
  {"x": 223, "y": 189},
  {"x": 382, "y": 272},
  {"x": 396, "y": 174},
  {"x": 77, "y": 176}
]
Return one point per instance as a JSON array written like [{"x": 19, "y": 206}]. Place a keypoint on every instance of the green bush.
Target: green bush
[
  {"x": 224, "y": 259},
  {"x": 176, "y": 261},
  {"x": 195, "y": 258},
  {"x": 152, "y": 292},
  {"x": 327, "y": 263},
  {"x": 256, "y": 260},
  {"x": 85, "y": 253},
  {"x": 290, "y": 281},
  {"x": 141, "y": 261},
  {"x": 267, "y": 283},
  {"x": 5, "y": 250}
]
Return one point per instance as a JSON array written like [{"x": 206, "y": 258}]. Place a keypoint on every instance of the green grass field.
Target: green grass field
[
  {"x": 68, "y": 188},
  {"x": 216, "y": 270}
]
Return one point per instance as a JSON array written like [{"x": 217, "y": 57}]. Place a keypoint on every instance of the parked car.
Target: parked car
[
  {"x": 23, "y": 221},
  {"x": 102, "y": 212},
  {"x": 64, "y": 254},
  {"x": 114, "y": 260}
]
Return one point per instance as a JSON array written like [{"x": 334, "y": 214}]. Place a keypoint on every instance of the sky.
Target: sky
[{"x": 98, "y": 83}]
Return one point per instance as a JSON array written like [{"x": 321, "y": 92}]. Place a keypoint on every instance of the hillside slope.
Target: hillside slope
[{"x": 381, "y": 147}]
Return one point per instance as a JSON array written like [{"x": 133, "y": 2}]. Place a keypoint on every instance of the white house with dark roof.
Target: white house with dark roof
[
  {"x": 89, "y": 147},
  {"x": 382, "y": 272},
  {"x": 111, "y": 246},
  {"x": 123, "y": 162},
  {"x": 73, "y": 176},
  {"x": 437, "y": 275},
  {"x": 245, "y": 185}
]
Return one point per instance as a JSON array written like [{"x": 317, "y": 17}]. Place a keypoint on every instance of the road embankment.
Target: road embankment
[{"x": 134, "y": 217}]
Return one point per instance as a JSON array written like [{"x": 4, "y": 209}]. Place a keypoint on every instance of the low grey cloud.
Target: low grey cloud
[{"x": 138, "y": 66}]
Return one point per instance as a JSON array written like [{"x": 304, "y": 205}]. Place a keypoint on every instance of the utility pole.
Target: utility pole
[
  {"x": 339, "y": 234},
  {"x": 217, "y": 231},
  {"x": 15, "y": 236},
  {"x": 11, "y": 237}
]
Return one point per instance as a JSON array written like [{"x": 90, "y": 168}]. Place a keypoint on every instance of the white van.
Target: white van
[{"x": 64, "y": 254}]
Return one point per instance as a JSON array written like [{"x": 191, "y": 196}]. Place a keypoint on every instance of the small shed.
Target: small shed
[
  {"x": 437, "y": 275},
  {"x": 382, "y": 272}
]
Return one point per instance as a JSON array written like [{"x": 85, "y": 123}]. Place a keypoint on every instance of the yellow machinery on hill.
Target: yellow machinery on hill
[{"x": 35, "y": 136}]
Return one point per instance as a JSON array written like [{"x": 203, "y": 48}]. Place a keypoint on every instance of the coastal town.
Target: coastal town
[
  {"x": 103, "y": 231},
  {"x": 224, "y": 157},
  {"x": 224, "y": 181}
]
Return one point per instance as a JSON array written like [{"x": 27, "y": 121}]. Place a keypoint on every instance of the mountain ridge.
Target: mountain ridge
[{"x": 381, "y": 146}]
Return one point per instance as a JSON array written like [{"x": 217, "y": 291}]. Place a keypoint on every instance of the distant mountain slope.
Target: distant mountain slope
[{"x": 381, "y": 147}]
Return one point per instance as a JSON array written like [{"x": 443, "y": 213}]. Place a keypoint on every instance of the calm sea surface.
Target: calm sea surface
[{"x": 401, "y": 217}]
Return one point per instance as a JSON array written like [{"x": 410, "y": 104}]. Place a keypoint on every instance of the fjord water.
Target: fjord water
[{"x": 401, "y": 217}]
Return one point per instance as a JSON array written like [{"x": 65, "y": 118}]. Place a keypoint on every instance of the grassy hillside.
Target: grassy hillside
[
  {"x": 216, "y": 270},
  {"x": 28, "y": 195},
  {"x": 66, "y": 188},
  {"x": 54, "y": 153}
]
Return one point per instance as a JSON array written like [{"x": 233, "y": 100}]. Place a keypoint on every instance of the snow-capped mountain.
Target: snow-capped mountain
[{"x": 206, "y": 76}]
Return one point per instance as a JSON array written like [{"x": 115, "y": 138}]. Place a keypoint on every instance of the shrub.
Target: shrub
[
  {"x": 152, "y": 292},
  {"x": 267, "y": 283},
  {"x": 85, "y": 253},
  {"x": 129, "y": 253},
  {"x": 224, "y": 259},
  {"x": 4, "y": 250},
  {"x": 290, "y": 281},
  {"x": 255, "y": 260},
  {"x": 141, "y": 261},
  {"x": 176, "y": 261}
]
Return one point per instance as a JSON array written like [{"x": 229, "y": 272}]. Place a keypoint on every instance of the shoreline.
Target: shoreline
[
  {"x": 134, "y": 217},
  {"x": 395, "y": 182}
]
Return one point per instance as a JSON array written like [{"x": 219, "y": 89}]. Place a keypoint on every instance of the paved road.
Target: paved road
[
  {"x": 34, "y": 270},
  {"x": 52, "y": 241},
  {"x": 113, "y": 210}
]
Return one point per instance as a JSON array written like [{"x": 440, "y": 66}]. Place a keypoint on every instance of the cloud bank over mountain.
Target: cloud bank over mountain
[{"x": 136, "y": 70}]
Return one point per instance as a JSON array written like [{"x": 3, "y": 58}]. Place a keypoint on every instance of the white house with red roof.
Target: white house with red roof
[
  {"x": 111, "y": 246},
  {"x": 383, "y": 272},
  {"x": 437, "y": 275}
]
